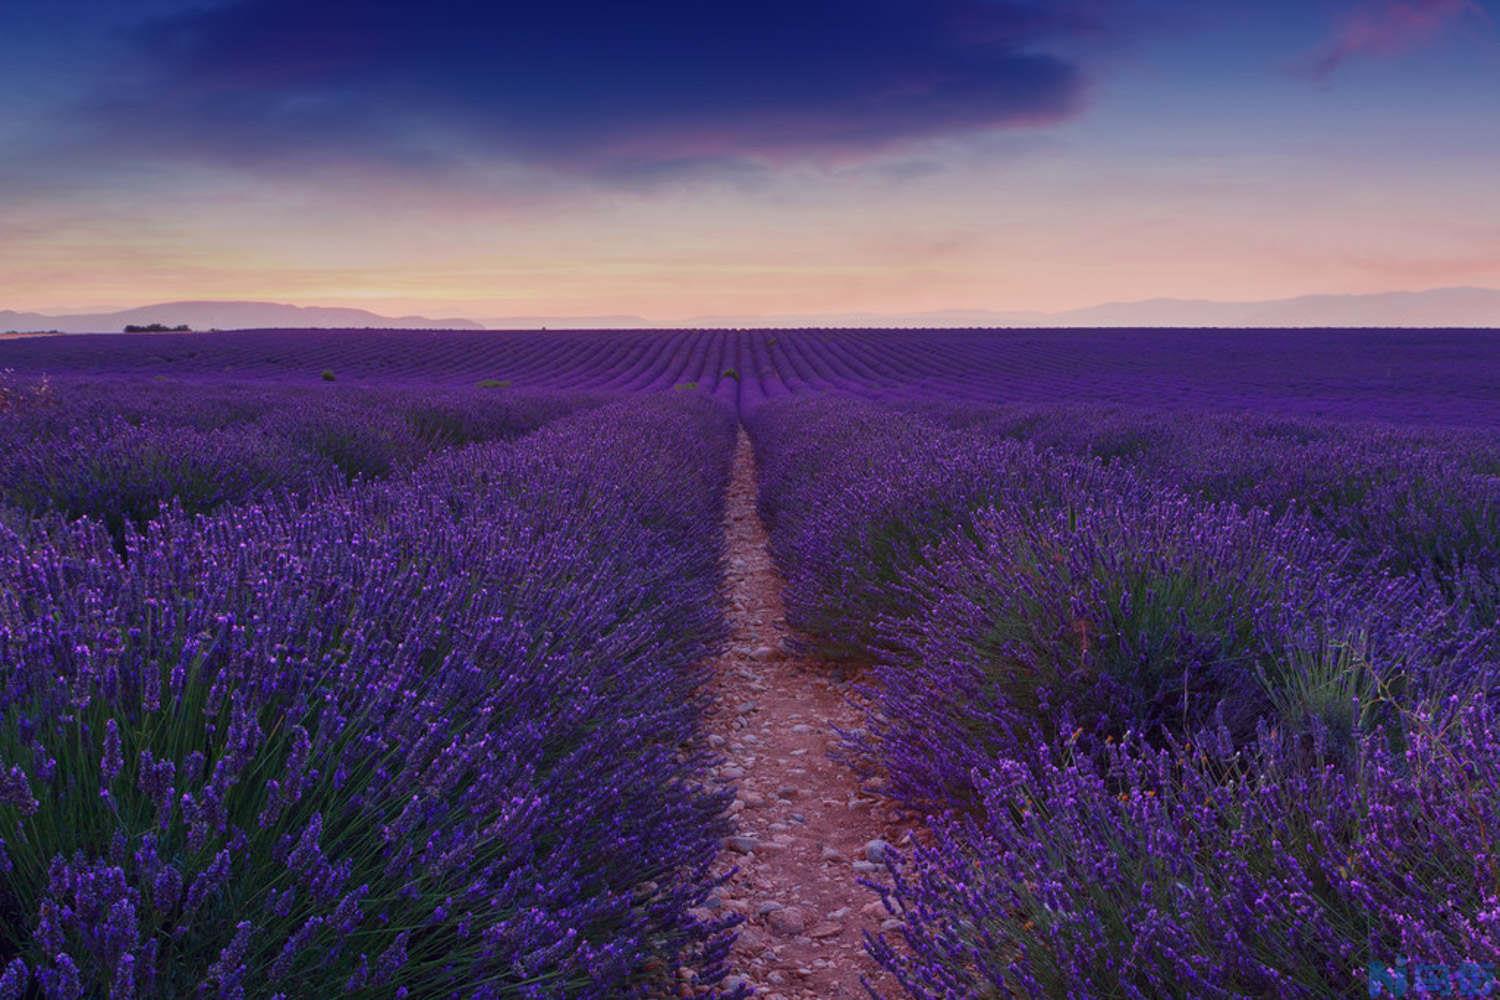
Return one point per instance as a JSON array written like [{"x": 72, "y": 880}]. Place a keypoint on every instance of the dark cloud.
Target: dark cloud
[{"x": 593, "y": 86}]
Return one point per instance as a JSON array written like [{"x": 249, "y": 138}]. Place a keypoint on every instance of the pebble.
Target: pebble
[
  {"x": 832, "y": 854},
  {"x": 741, "y": 844},
  {"x": 826, "y": 929},
  {"x": 875, "y": 850},
  {"x": 764, "y": 653},
  {"x": 753, "y": 939},
  {"x": 868, "y": 867},
  {"x": 732, "y": 773},
  {"x": 787, "y": 921}
]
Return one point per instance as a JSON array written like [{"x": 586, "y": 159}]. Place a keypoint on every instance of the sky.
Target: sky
[{"x": 680, "y": 158}]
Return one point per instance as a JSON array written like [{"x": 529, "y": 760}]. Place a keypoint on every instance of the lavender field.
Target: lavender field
[
  {"x": 1399, "y": 376},
  {"x": 377, "y": 663}
]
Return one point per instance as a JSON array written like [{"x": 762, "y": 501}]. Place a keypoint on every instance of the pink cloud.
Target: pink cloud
[{"x": 1388, "y": 27}]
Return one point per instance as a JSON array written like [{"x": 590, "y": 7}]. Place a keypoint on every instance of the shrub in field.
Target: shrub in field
[
  {"x": 467, "y": 418},
  {"x": 1418, "y": 501},
  {"x": 422, "y": 737},
  {"x": 327, "y": 375},
  {"x": 1412, "y": 509},
  {"x": 122, "y": 474},
  {"x": 1205, "y": 870},
  {"x": 855, "y": 493},
  {"x": 116, "y": 451},
  {"x": 362, "y": 442},
  {"x": 1143, "y": 609},
  {"x": 204, "y": 406},
  {"x": 860, "y": 543}
]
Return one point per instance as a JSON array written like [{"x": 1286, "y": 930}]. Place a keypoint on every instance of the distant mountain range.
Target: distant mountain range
[
  {"x": 227, "y": 316},
  {"x": 1440, "y": 307},
  {"x": 607, "y": 322}
]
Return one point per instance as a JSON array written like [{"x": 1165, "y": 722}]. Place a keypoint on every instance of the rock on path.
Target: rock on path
[{"x": 805, "y": 827}]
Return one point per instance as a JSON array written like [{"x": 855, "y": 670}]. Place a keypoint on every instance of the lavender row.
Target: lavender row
[
  {"x": 1422, "y": 501},
  {"x": 117, "y": 451},
  {"x": 1030, "y": 613},
  {"x": 432, "y": 736}
]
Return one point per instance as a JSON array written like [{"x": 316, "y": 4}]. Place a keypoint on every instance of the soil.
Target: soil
[{"x": 805, "y": 824}]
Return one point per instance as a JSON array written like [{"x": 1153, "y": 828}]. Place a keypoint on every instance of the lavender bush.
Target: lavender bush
[
  {"x": 853, "y": 494},
  {"x": 1137, "y": 608},
  {"x": 118, "y": 451},
  {"x": 426, "y": 737},
  {"x": 120, "y": 474},
  {"x": 358, "y": 443},
  {"x": 1202, "y": 870},
  {"x": 1419, "y": 501}
]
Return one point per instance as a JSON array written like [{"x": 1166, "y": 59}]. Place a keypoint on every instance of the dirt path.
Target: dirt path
[{"x": 805, "y": 828}]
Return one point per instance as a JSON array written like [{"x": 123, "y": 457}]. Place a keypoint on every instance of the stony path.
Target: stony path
[{"x": 807, "y": 832}]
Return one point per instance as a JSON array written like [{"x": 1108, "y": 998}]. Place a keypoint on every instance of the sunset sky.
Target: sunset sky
[{"x": 682, "y": 157}]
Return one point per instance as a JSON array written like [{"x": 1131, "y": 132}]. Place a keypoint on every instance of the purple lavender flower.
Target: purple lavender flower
[
  {"x": 113, "y": 760},
  {"x": 123, "y": 987},
  {"x": 60, "y": 980},
  {"x": 13, "y": 980},
  {"x": 15, "y": 791}
]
